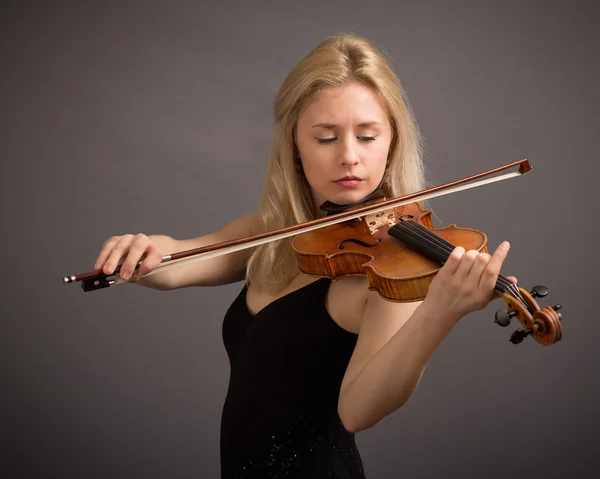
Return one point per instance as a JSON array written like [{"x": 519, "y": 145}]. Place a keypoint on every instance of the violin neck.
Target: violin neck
[{"x": 422, "y": 239}]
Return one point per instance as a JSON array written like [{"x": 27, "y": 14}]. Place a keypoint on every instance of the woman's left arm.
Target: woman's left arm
[{"x": 397, "y": 340}]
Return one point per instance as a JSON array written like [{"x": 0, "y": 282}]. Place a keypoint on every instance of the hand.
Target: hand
[
  {"x": 131, "y": 248},
  {"x": 466, "y": 282}
]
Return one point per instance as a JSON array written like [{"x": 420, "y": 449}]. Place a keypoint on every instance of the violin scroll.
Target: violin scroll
[{"x": 543, "y": 324}]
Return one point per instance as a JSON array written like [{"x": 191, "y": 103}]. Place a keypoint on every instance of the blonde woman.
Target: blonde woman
[{"x": 315, "y": 361}]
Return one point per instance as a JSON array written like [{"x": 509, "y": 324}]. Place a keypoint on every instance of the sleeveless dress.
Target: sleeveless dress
[{"x": 280, "y": 416}]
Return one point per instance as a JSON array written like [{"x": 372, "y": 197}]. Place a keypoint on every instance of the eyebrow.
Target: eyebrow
[{"x": 331, "y": 126}]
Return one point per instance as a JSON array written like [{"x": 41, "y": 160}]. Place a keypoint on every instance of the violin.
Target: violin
[
  {"x": 391, "y": 242},
  {"x": 400, "y": 252}
]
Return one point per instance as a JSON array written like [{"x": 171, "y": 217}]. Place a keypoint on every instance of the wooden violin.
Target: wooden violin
[{"x": 400, "y": 252}]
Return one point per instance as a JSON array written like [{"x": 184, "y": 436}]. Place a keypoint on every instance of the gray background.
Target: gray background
[{"x": 156, "y": 117}]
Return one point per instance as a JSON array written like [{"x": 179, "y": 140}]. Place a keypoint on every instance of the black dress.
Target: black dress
[{"x": 280, "y": 416}]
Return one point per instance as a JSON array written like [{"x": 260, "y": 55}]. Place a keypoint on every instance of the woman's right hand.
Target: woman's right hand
[{"x": 131, "y": 249}]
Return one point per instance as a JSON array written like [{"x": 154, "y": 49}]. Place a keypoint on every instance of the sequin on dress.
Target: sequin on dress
[{"x": 280, "y": 415}]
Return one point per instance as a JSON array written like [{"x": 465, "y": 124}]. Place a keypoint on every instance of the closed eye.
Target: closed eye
[{"x": 331, "y": 140}]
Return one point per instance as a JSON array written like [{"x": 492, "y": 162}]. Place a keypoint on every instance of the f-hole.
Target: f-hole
[{"x": 358, "y": 242}]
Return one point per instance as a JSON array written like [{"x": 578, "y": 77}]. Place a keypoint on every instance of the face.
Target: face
[{"x": 343, "y": 139}]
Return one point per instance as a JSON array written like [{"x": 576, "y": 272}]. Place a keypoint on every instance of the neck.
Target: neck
[{"x": 328, "y": 208}]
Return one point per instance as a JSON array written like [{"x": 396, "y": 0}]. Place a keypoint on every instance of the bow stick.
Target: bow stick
[{"x": 97, "y": 279}]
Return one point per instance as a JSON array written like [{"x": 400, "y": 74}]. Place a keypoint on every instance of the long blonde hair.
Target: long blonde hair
[{"x": 286, "y": 198}]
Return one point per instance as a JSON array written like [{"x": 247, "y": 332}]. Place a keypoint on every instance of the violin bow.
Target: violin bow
[{"x": 94, "y": 280}]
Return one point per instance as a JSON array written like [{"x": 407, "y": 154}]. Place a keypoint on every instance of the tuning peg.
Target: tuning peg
[
  {"x": 539, "y": 291},
  {"x": 503, "y": 318},
  {"x": 557, "y": 307},
  {"x": 519, "y": 335}
]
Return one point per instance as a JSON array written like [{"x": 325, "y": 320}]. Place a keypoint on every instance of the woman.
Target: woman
[{"x": 313, "y": 362}]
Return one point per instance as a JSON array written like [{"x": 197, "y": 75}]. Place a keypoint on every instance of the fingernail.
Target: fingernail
[
  {"x": 505, "y": 245},
  {"x": 125, "y": 274}
]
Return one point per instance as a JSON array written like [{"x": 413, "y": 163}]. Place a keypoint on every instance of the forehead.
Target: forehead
[{"x": 353, "y": 103}]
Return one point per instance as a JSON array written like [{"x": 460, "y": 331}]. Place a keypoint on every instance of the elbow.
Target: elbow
[
  {"x": 354, "y": 426},
  {"x": 351, "y": 419}
]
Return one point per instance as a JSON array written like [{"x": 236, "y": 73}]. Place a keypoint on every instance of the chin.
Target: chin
[
  {"x": 350, "y": 197},
  {"x": 340, "y": 196}
]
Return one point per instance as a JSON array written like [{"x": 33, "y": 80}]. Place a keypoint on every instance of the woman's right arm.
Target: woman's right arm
[{"x": 129, "y": 249}]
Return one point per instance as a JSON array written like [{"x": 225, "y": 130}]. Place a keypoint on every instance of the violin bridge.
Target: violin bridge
[{"x": 377, "y": 220}]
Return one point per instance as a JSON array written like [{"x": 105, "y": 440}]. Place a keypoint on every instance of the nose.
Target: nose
[{"x": 349, "y": 153}]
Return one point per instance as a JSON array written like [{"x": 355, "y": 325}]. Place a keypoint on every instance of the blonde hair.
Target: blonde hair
[{"x": 286, "y": 198}]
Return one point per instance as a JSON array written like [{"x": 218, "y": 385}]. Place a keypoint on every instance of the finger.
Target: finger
[
  {"x": 499, "y": 255},
  {"x": 136, "y": 251},
  {"x": 105, "y": 251},
  {"x": 466, "y": 264},
  {"x": 117, "y": 253},
  {"x": 453, "y": 261},
  {"x": 153, "y": 258},
  {"x": 492, "y": 270},
  {"x": 512, "y": 279},
  {"x": 479, "y": 265}
]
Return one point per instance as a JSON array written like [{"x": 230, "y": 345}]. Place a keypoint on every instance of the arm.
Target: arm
[
  {"x": 395, "y": 343},
  {"x": 211, "y": 272},
  {"x": 397, "y": 340}
]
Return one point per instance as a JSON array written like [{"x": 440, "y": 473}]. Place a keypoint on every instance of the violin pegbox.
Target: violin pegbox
[{"x": 543, "y": 324}]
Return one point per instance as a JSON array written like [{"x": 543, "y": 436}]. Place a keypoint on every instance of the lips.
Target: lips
[
  {"x": 349, "y": 178},
  {"x": 349, "y": 182}
]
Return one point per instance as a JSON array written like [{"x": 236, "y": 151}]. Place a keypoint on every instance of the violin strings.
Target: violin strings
[
  {"x": 447, "y": 248},
  {"x": 504, "y": 285},
  {"x": 439, "y": 248}
]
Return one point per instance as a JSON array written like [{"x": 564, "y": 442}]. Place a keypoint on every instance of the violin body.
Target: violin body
[{"x": 352, "y": 249}]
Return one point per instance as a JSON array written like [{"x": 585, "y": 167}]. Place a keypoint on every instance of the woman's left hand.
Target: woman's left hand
[{"x": 466, "y": 282}]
